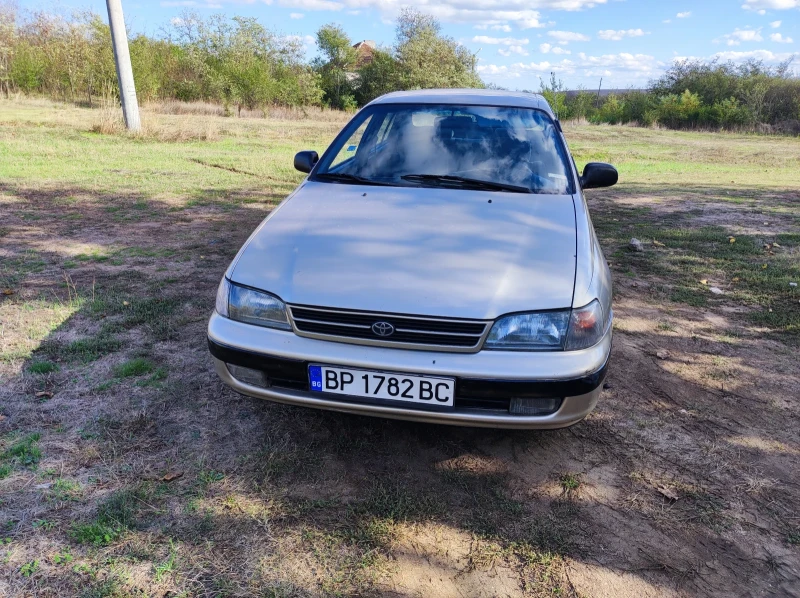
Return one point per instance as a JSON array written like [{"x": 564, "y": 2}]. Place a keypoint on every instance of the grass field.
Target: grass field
[{"x": 126, "y": 469}]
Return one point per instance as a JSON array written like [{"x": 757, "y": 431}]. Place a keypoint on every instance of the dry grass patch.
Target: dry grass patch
[{"x": 127, "y": 469}]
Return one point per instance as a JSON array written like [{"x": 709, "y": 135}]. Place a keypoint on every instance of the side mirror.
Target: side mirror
[
  {"x": 598, "y": 174},
  {"x": 305, "y": 161}
]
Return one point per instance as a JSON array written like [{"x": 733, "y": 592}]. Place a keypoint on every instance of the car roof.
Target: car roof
[{"x": 475, "y": 97}]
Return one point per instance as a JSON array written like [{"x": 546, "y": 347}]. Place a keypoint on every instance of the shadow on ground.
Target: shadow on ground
[{"x": 154, "y": 477}]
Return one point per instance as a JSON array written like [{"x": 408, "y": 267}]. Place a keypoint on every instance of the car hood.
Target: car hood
[{"x": 437, "y": 252}]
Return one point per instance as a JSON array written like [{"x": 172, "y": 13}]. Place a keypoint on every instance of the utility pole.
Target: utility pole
[
  {"x": 122, "y": 58},
  {"x": 597, "y": 103}
]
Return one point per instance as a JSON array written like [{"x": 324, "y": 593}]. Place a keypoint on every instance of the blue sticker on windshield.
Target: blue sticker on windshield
[
  {"x": 351, "y": 148},
  {"x": 315, "y": 377}
]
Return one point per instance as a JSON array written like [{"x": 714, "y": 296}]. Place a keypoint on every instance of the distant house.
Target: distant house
[
  {"x": 365, "y": 50},
  {"x": 364, "y": 54}
]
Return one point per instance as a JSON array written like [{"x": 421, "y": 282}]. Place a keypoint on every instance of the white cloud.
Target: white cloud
[
  {"x": 513, "y": 50},
  {"x": 764, "y": 55},
  {"x": 764, "y": 5},
  {"x": 742, "y": 35},
  {"x": 683, "y": 15},
  {"x": 306, "y": 40},
  {"x": 617, "y": 35},
  {"x": 501, "y": 15},
  {"x": 634, "y": 67},
  {"x": 495, "y": 27},
  {"x": 667, "y": 21},
  {"x": 296, "y": 15},
  {"x": 519, "y": 14},
  {"x": 564, "y": 37},
  {"x": 777, "y": 37},
  {"x": 775, "y": 24},
  {"x": 503, "y": 41},
  {"x": 190, "y": 4},
  {"x": 312, "y": 4},
  {"x": 547, "y": 48}
]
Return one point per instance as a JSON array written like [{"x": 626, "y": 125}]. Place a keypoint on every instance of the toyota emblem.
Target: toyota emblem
[{"x": 383, "y": 329}]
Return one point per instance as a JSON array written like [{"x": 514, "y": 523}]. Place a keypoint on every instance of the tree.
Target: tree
[
  {"x": 377, "y": 77},
  {"x": 427, "y": 59},
  {"x": 336, "y": 66}
]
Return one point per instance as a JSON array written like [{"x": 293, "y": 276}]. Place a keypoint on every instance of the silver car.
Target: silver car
[{"x": 438, "y": 264}]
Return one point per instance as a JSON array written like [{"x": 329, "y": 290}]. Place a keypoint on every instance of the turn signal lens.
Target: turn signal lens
[
  {"x": 223, "y": 292},
  {"x": 586, "y": 327}
]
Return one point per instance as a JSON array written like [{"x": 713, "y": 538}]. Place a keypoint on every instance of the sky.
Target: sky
[{"x": 625, "y": 42}]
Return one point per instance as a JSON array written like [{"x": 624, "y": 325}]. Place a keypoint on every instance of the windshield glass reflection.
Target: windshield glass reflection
[{"x": 484, "y": 147}]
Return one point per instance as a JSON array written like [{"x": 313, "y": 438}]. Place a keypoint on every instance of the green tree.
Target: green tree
[
  {"x": 336, "y": 66},
  {"x": 427, "y": 59},
  {"x": 376, "y": 77}
]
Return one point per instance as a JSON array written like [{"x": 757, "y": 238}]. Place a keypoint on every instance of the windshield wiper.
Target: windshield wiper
[
  {"x": 343, "y": 177},
  {"x": 463, "y": 182}
]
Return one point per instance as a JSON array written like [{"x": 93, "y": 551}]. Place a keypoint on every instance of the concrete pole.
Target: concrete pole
[{"x": 122, "y": 58}]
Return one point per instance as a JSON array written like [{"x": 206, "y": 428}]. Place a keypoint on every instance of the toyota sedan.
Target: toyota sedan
[{"x": 437, "y": 264}]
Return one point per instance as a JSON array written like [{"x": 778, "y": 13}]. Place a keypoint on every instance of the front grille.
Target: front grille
[{"x": 419, "y": 331}]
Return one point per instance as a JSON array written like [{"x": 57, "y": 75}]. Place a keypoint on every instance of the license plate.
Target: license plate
[{"x": 423, "y": 390}]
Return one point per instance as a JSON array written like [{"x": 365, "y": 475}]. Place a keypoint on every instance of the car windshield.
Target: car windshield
[{"x": 479, "y": 147}]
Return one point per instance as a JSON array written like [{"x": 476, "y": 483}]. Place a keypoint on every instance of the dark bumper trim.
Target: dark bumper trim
[{"x": 292, "y": 373}]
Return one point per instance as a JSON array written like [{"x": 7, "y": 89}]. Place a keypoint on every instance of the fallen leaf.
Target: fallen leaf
[
  {"x": 731, "y": 239},
  {"x": 172, "y": 475},
  {"x": 668, "y": 492},
  {"x": 658, "y": 243},
  {"x": 775, "y": 245},
  {"x": 125, "y": 303},
  {"x": 735, "y": 279},
  {"x": 764, "y": 267},
  {"x": 704, "y": 281},
  {"x": 44, "y": 395},
  {"x": 8, "y": 292}
]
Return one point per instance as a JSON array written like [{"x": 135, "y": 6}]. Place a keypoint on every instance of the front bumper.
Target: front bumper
[{"x": 485, "y": 381}]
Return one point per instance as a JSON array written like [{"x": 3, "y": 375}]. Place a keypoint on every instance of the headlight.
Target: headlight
[
  {"x": 529, "y": 332},
  {"x": 252, "y": 307},
  {"x": 569, "y": 330},
  {"x": 586, "y": 327}
]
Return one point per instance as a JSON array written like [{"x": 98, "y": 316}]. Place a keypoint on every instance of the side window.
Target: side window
[
  {"x": 350, "y": 147},
  {"x": 386, "y": 127}
]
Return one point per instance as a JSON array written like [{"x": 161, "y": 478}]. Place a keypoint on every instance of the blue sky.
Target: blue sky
[{"x": 626, "y": 42}]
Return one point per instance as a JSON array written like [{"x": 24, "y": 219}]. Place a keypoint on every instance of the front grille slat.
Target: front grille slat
[{"x": 418, "y": 331}]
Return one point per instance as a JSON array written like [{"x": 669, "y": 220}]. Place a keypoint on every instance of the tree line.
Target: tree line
[
  {"x": 239, "y": 63},
  {"x": 235, "y": 61},
  {"x": 695, "y": 94}
]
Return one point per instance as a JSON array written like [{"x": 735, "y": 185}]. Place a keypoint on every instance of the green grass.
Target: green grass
[
  {"x": 65, "y": 490},
  {"x": 95, "y": 533},
  {"x": 24, "y": 452},
  {"x": 84, "y": 350},
  {"x": 135, "y": 367},
  {"x": 570, "y": 482},
  {"x": 43, "y": 367},
  {"x": 29, "y": 569},
  {"x": 115, "y": 515}
]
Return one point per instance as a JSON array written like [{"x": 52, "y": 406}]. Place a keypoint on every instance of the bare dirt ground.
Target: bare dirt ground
[{"x": 131, "y": 471}]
